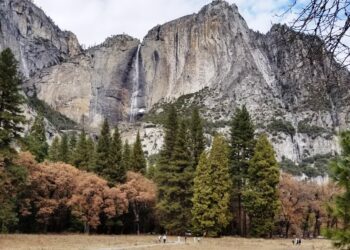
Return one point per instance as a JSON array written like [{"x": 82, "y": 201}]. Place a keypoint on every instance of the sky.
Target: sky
[{"x": 95, "y": 20}]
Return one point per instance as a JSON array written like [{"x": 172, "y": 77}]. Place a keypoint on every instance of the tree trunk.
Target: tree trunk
[
  {"x": 86, "y": 228},
  {"x": 239, "y": 217},
  {"x": 287, "y": 229},
  {"x": 137, "y": 218}
]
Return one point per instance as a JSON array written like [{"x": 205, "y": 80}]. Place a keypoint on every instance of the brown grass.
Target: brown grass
[{"x": 80, "y": 242}]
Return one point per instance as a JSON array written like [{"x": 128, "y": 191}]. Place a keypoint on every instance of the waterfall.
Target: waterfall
[{"x": 134, "y": 108}]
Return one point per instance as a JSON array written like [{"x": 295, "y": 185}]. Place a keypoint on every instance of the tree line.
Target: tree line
[{"x": 232, "y": 187}]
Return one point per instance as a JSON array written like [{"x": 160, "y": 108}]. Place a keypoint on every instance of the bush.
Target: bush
[
  {"x": 312, "y": 166},
  {"x": 281, "y": 126},
  {"x": 312, "y": 130}
]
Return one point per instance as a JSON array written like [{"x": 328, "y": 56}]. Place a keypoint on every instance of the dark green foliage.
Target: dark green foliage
[
  {"x": 138, "y": 161},
  {"x": 197, "y": 135},
  {"x": 260, "y": 196},
  {"x": 83, "y": 154},
  {"x": 71, "y": 146},
  {"x": 281, "y": 126},
  {"x": 174, "y": 207},
  {"x": 54, "y": 149},
  {"x": 170, "y": 128},
  {"x": 312, "y": 166},
  {"x": 312, "y": 130},
  {"x": 115, "y": 172},
  {"x": 12, "y": 183},
  {"x": 11, "y": 100},
  {"x": 60, "y": 121},
  {"x": 63, "y": 152},
  {"x": 126, "y": 159},
  {"x": 36, "y": 140},
  {"x": 241, "y": 151},
  {"x": 212, "y": 187},
  {"x": 340, "y": 173},
  {"x": 91, "y": 153},
  {"x": 103, "y": 149},
  {"x": 184, "y": 106}
]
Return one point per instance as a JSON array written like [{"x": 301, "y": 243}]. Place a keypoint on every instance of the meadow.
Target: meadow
[{"x": 92, "y": 242}]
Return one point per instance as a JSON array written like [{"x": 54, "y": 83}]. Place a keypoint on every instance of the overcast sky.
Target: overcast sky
[{"x": 94, "y": 20}]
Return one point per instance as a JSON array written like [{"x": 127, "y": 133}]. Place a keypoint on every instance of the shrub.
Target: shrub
[{"x": 281, "y": 126}]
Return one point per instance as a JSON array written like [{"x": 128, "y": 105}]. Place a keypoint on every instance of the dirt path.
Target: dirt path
[{"x": 142, "y": 246}]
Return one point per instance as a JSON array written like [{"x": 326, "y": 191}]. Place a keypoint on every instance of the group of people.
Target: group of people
[
  {"x": 162, "y": 238},
  {"x": 296, "y": 241}
]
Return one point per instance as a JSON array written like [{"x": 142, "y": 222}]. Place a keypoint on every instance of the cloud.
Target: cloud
[{"x": 94, "y": 20}]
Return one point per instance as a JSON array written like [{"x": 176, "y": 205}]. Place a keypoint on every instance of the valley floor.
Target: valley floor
[{"x": 80, "y": 242}]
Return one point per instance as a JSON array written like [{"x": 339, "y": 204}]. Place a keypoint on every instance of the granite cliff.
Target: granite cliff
[{"x": 210, "y": 59}]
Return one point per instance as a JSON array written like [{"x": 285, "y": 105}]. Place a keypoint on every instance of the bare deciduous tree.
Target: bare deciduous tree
[{"x": 328, "y": 20}]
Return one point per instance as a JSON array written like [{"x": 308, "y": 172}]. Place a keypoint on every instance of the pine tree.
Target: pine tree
[
  {"x": 72, "y": 146},
  {"x": 126, "y": 157},
  {"x": 138, "y": 161},
  {"x": 165, "y": 171},
  {"x": 64, "y": 149},
  {"x": 175, "y": 206},
  {"x": 54, "y": 150},
  {"x": 340, "y": 173},
  {"x": 11, "y": 100},
  {"x": 115, "y": 172},
  {"x": 103, "y": 149},
  {"x": 260, "y": 197},
  {"x": 91, "y": 153},
  {"x": 197, "y": 135},
  {"x": 80, "y": 155},
  {"x": 36, "y": 140},
  {"x": 241, "y": 151},
  {"x": 212, "y": 187},
  {"x": 170, "y": 129}
]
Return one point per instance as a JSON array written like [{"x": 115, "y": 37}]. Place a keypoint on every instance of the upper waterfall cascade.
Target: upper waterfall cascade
[{"x": 134, "y": 108}]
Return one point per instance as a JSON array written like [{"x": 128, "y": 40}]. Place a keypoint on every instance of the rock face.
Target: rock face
[
  {"x": 215, "y": 54},
  {"x": 210, "y": 59},
  {"x": 33, "y": 37},
  {"x": 94, "y": 85}
]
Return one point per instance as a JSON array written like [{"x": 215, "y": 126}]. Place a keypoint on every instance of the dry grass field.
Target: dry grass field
[{"x": 80, "y": 242}]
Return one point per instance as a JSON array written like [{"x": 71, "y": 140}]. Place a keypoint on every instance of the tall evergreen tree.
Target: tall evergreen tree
[
  {"x": 170, "y": 129},
  {"x": 115, "y": 172},
  {"x": 126, "y": 158},
  {"x": 241, "y": 151},
  {"x": 11, "y": 100},
  {"x": 174, "y": 208},
  {"x": 64, "y": 149},
  {"x": 103, "y": 149},
  {"x": 138, "y": 161},
  {"x": 91, "y": 153},
  {"x": 340, "y": 173},
  {"x": 12, "y": 177},
  {"x": 165, "y": 171},
  {"x": 54, "y": 150},
  {"x": 212, "y": 187},
  {"x": 72, "y": 146},
  {"x": 260, "y": 196},
  {"x": 197, "y": 135},
  {"x": 36, "y": 140},
  {"x": 80, "y": 155}
]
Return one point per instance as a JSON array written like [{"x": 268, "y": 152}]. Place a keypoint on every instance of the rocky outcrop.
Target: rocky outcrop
[
  {"x": 94, "y": 85},
  {"x": 33, "y": 37}
]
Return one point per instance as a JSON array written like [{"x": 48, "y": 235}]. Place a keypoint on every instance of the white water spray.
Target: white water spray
[{"x": 135, "y": 86}]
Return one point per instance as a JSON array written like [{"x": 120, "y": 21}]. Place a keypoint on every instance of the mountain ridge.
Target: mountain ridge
[{"x": 213, "y": 60}]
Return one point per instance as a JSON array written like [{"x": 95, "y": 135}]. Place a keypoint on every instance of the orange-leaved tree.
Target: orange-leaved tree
[{"x": 140, "y": 192}]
